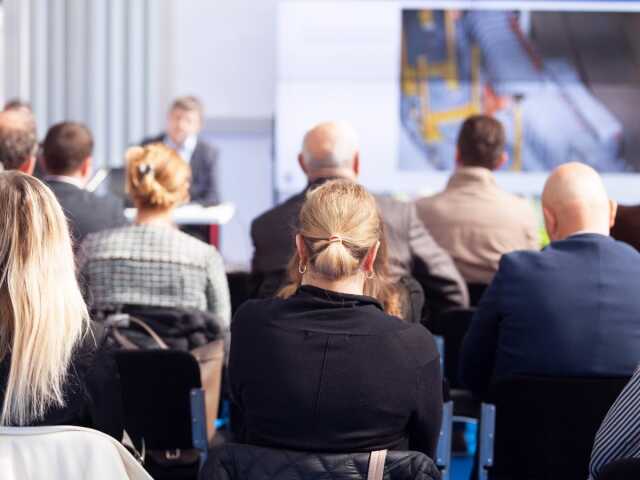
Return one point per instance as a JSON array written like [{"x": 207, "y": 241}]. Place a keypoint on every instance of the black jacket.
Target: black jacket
[
  {"x": 204, "y": 171},
  {"x": 247, "y": 462},
  {"x": 86, "y": 211},
  {"x": 331, "y": 372},
  {"x": 91, "y": 392}
]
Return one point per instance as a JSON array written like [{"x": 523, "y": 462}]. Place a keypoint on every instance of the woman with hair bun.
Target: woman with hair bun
[
  {"x": 53, "y": 369},
  {"x": 152, "y": 263},
  {"x": 325, "y": 367}
]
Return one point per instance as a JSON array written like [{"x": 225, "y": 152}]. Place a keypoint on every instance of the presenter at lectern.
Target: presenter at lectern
[{"x": 184, "y": 123}]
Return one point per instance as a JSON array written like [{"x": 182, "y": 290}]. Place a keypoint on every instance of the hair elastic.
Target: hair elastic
[
  {"x": 335, "y": 238},
  {"x": 145, "y": 169}
]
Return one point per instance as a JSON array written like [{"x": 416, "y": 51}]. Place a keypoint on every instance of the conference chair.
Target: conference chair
[
  {"x": 443, "y": 451},
  {"x": 64, "y": 453},
  {"x": 624, "y": 469},
  {"x": 476, "y": 290},
  {"x": 543, "y": 427},
  {"x": 452, "y": 326},
  {"x": 247, "y": 462},
  {"x": 164, "y": 410},
  {"x": 239, "y": 288}
]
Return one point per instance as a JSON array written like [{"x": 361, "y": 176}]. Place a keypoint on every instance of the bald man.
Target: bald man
[
  {"x": 331, "y": 150},
  {"x": 572, "y": 309},
  {"x": 18, "y": 141}
]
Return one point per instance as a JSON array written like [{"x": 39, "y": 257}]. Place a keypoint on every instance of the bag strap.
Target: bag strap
[
  {"x": 150, "y": 331},
  {"x": 128, "y": 344},
  {"x": 376, "y": 465}
]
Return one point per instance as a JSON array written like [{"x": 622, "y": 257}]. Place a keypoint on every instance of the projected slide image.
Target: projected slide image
[{"x": 566, "y": 86}]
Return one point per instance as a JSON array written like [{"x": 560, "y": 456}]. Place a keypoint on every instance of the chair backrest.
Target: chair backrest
[
  {"x": 476, "y": 291},
  {"x": 246, "y": 462},
  {"x": 545, "y": 426},
  {"x": 156, "y": 391},
  {"x": 452, "y": 326},
  {"x": 64, "y": 453},
  {"x": 625, "y": 469}
]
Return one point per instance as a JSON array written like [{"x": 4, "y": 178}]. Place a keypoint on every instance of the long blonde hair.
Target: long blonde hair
[
  {"x": 43, "y": 316},
  {"x": 344, "y": 209},
  {"x": 157, "y": 177}
]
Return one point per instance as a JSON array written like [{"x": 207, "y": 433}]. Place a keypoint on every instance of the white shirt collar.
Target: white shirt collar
[{"x": 78, "y": 182}]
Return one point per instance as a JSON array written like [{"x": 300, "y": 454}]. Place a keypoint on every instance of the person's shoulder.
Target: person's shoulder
[
  {"x": 396, "y": 214},
  {"x": 519, "y": 207},
  {"x": 153, "y": 139},
  {"x": 98, "y": 241},
  {"x": 252, "y": 312},
  {"x": 521, "y": 261},
  {"x": 277, "y": 216},
  {"x": 418, "y": 343}
]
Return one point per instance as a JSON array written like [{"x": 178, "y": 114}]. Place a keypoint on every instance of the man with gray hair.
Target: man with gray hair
[
  {"x": 330, "y": 150},
  {"x": 18, "y": 141}
]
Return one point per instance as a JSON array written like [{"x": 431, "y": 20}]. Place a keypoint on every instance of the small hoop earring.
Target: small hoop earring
[
  {"x": 302, "y": 270},
  {"x": 370, "y": 275}
]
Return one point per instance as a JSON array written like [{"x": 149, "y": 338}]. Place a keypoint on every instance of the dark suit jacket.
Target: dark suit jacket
[
  {"x": 572, "y": 309},
  {"x": 411, "y": 249},
  {"x": 204, "y": 171},
  {"x": 87, "y": 212},
  {"x": 627, "y": 226}
]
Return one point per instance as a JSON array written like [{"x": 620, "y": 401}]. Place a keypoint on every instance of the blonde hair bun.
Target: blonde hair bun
[{"x": 157, "y": 177}]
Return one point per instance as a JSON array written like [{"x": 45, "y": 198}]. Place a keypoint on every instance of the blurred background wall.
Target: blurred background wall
[{"x": 116, "y": 65}]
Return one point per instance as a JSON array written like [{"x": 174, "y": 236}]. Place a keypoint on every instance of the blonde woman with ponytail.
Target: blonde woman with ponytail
[
  {"x": 53, "y": 370},
  {"x": 327, "y": 366},
  {"x": 152, "y": 263}
]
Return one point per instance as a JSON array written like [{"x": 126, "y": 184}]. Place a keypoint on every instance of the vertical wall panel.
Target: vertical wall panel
[
  {"x": 116, "y": 121},
  {"x": 57, "y": 61},
  {"x": 97, "y": 80},
  {"x": 102, "y": 62},
  {"x": 39, "y": 61},
  {"x": 75, "y": 48}
]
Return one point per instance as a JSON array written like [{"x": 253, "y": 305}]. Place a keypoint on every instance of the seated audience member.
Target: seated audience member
[
  {"x": 184, "y": 123},
  {"x": 66, "y": 153},
  {"x": 18, "y": 141},
  {"x": 324, "y": 367},
  {"x": 619, "y": 435},
  {"x": 570, "y": 310},
  {"x": 152, "y": 263},
  {"x": 15, "y": 104},
  {"x": 329, "y": 151},
  {"x": 53, "y": 370},
  {"x": 473, "y": 219},
  {"x": 627, "y": 226}
]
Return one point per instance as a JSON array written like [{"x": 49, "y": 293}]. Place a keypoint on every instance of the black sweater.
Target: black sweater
[{"x": 325, "y": 371}]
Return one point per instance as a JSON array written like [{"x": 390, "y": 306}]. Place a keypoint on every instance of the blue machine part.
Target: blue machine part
[{"x": 560, "y": 119}]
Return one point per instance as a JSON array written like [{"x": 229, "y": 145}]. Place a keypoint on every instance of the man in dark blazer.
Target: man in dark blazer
[
  {"x": 66, "y": 154},
  {"x": 330, "y": 150},
  {"x": 627, "y": 226},
  {"x": 184, "y": 123},
  {"x": 572, "y": 309}
]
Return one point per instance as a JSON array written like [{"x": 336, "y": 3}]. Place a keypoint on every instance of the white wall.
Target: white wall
[{"x": 224, "y": 51}]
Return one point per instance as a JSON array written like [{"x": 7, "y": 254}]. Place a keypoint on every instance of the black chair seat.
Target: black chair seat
[
  {"x": 625, "y": 469},
  {"x": 545, "y": 426}
]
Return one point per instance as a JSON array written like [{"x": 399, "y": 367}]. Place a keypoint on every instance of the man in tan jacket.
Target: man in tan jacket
[{"x": 473, "y": 219}]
